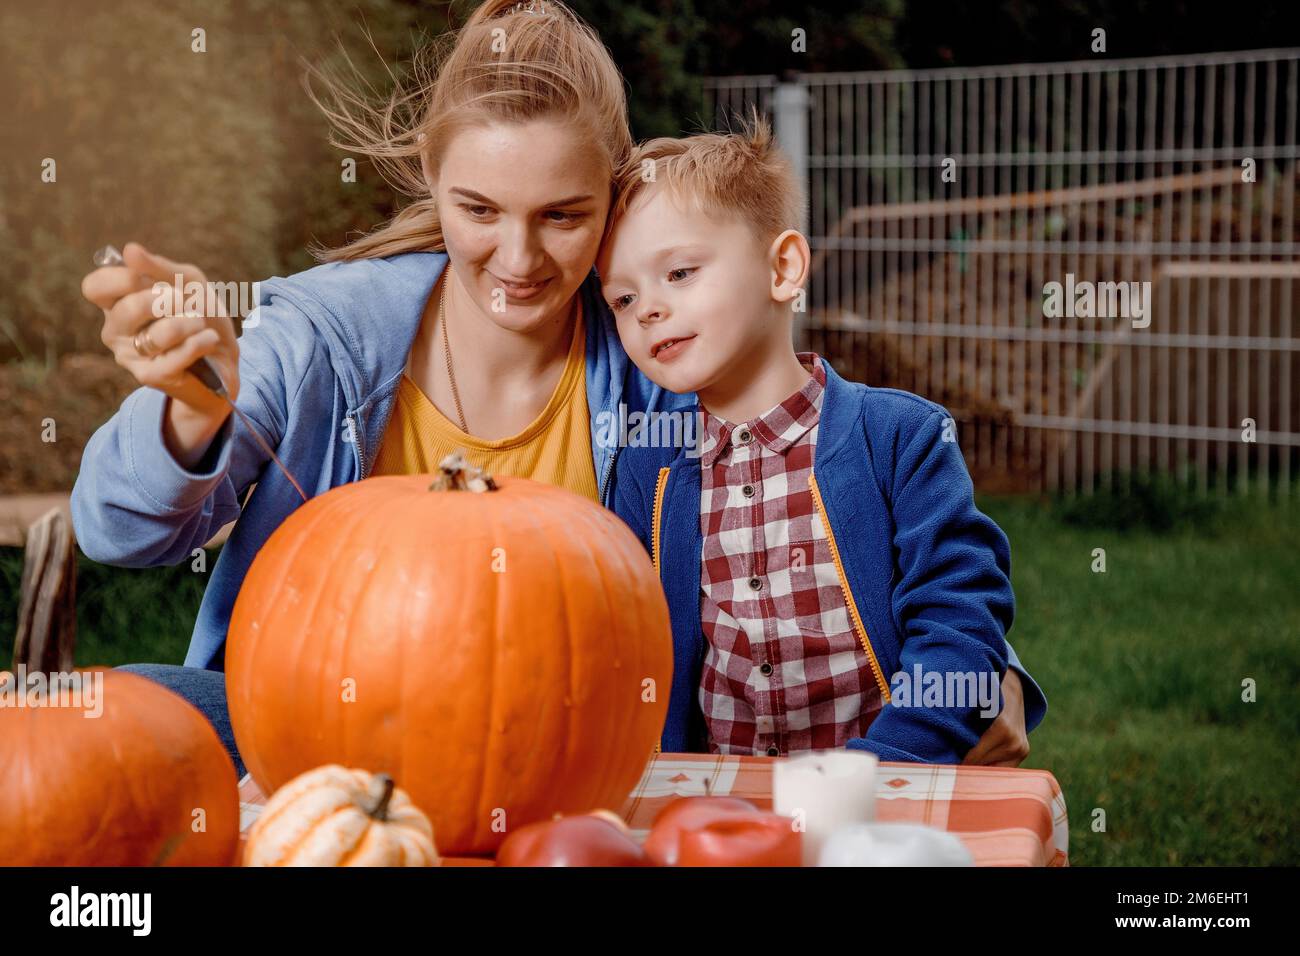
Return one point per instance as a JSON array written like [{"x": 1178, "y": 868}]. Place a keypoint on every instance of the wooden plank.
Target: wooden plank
[
  {"x": 1038, "y": 199},
  {"x": 47, "y": 610},
  {"x": 20, "y": 512}
]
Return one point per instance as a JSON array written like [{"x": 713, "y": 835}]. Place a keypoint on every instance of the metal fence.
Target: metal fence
[{"x": 945, "y": 204}]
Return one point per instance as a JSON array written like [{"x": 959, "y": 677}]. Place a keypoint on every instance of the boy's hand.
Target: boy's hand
[{"x": 1005, "y": 743}]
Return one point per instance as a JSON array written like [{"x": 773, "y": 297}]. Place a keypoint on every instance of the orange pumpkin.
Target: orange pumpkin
[
  {"x": 118, "y": 771},
  {"x": 503, "y": 654}
]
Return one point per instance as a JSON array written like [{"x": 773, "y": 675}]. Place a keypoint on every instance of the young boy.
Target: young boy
[{"x": 830, "y": 580}]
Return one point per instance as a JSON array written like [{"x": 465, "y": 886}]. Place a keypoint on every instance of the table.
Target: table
[{"x": 1006, "y": 816}]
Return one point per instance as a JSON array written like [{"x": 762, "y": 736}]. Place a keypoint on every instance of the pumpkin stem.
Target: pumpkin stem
[
  {"x": 457, "y": 474},
  {"x": 383, "y": 783}
]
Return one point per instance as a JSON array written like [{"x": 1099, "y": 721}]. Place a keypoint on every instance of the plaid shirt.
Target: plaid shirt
[{"x": 784, "y": 670}]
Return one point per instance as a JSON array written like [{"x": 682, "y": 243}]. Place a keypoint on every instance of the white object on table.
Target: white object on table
[
  {"x": 823, "y": 791},
  {"x": 893, "y": 844}
]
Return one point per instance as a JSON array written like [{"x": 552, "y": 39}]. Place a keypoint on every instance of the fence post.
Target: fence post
[{"x": 790, "y": 124}]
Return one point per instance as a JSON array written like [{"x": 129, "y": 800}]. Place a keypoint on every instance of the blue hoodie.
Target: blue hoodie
[
  {"x": 926, "y": 575},
  {"x": 319, "y": 364}
]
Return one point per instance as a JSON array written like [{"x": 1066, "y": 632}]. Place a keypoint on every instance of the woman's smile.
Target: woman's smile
[{"x": 519, "y": 290}]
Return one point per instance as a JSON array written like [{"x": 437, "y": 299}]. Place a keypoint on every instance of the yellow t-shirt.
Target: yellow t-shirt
[{"x": 555, "y": 448}]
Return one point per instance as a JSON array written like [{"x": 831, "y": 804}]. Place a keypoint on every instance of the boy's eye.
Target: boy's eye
[
  {"x": 677, "y": 275},
  {"x": 621, "y": 302}
]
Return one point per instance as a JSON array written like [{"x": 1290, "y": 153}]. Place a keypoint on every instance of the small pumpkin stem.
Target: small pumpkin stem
[
  {"x": 384, "y": 784},
  {"x": 457, "y": 474}
]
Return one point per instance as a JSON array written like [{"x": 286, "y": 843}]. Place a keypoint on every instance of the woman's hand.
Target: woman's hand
[
  {"x": 179, "y": 338},
  {"x": 1005, "y": 743}
]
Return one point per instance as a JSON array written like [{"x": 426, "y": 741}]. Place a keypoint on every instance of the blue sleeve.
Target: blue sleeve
[
  {"x": 952, "y": 603},
  {"x": 134, "y": 505}
]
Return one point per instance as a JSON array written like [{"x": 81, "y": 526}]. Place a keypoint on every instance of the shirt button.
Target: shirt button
[
  {"x": 774, "y": 751},
  {"x": 765, "y": 668},
  {"x": 755, "y": 584},
  {"x": 745, "y": 435},
  {"x": 747, "y": 491}
]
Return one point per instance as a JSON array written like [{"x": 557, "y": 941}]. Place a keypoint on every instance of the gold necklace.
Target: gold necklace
[{"x": 446, "y": 351}]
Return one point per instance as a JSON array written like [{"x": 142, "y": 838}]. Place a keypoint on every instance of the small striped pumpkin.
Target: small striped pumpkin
[{"x": 334, "y": 816}]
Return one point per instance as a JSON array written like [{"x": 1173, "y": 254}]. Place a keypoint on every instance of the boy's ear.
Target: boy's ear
[{"x": 790, "y": 259}]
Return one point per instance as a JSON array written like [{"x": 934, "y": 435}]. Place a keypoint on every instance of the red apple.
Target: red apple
[
  {"x": 688, "y": 813},
  {"x": 742, "y": 839},
  {"x": 591, "y": 839}
]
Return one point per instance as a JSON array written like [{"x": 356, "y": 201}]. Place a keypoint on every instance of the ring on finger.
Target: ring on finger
[{"x": 144, "y": 345}]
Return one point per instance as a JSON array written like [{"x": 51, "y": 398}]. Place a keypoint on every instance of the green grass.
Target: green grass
[
  {"x": 1143, "y": 668},
  {"x": 124, "y": 615},
  {"x": 1142, "y": 665}
]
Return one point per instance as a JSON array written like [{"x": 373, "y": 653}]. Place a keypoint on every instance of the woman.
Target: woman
[{"x": 473, "y": 320}]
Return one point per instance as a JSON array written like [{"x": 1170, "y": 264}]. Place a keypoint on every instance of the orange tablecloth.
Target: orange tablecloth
[{"x": 1005, "y": 816}]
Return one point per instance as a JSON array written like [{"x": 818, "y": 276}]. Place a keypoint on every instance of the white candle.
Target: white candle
[{"x": 823, "y": 791}]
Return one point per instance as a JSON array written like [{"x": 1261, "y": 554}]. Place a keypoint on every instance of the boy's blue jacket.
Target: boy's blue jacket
[
  {"x": 319, "y": 364},
  {"x": 927, "y": 574}
]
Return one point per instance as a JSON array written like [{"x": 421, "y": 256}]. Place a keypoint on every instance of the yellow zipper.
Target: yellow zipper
[
  {"x": 854, "y": 616},
  {"x": 657, "y": 516},
  {"x": 656, "y": 537}
]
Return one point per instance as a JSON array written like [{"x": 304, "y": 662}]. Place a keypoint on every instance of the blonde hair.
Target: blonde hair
[
  {"x": 511, "y": 62},
  {"x": 742, "y": 174}
]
